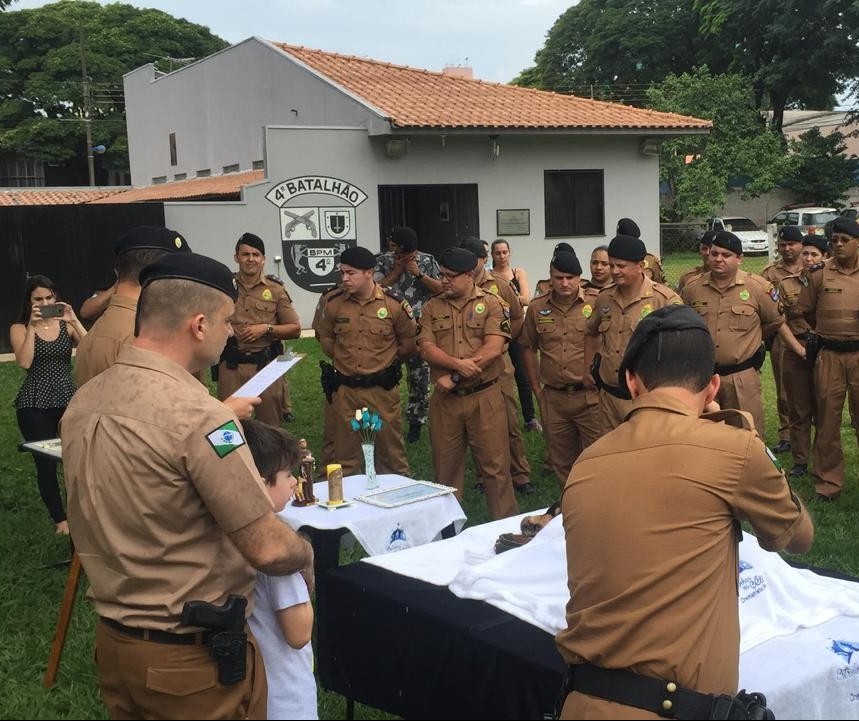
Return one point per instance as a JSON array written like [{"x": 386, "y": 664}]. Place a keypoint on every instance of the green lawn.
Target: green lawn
[{"x": 31, "y": 590}]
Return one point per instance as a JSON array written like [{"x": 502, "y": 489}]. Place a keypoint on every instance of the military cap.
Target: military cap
[
  {"x": 567, "y": 263},
  {"x": 358, "y": 257},
  {"x": 707, "y": 237},
  {"x": 670, "y": 317},
  {"x": 405, "y": 238},
  {"x": 627, "y": 247},
  {"x": 790, "y": 234},
  {"x": 254, "y": 241},
  {"x": 459, "y": 260},
  {"x": 151, "y": 237},
  {"x": 819, "y": 242},
  {"x": 627, "y": 226},
  {"x": 728, "y": 241},
  {"x": 563, "y": 248},
  {"x": 474, "y": 245},
  {"x": 193, "y": 267},
  {"x": 846, "y": 227}
]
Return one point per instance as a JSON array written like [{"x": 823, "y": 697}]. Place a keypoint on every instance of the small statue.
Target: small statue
[{"x": 304, "y": 490}]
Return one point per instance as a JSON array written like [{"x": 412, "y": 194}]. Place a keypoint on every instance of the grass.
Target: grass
[{"x": 31, "y": 590}]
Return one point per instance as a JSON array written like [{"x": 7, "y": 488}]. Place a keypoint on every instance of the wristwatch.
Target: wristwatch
[
  {"x": 269, "y": 329},
  {"x": 455, "y": 378}
]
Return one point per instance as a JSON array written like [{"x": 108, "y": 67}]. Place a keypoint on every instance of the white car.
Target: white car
[
  {"x": 809, "y": 219},
  {"x": 755, "y": 241}
]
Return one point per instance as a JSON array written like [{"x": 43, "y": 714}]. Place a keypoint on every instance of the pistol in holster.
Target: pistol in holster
[
  {"x": 812, "y": 348},
  {"x": 228, "y": 641},
  {"x": 330, "y": 379}
]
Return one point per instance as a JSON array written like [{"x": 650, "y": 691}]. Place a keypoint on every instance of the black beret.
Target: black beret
[
  {"x": 459, "y": 260},
  {"x": 194, "y": 267},
  {"x": 790, "y": 233},
  {"x": 405, "y": 238},
  {"x": 728, "y": 241},
  {"x": 563, "y": 248},
  {"x": 818, "y": 241},
  {"x": 707, "y": 237},
  {"x": 669, "y": 317},
  {"x": 627, "y": 247},
  {"x": 358, "y": 257},
  {"x": 846, "y": 226},
  {"x": 151, "y": 237},
  {"x": 474, "y": 245},
  {"x": 567, "y": 263},
  {"x": 254, "y": 241},
  {"x": 627, "y": 226}
]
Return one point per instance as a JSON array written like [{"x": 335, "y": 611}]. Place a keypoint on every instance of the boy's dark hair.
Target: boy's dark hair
[{"x": 273, "y": 449}]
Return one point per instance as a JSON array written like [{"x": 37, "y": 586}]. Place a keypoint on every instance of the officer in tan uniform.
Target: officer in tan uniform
[
  {"x": 555, "y": 327},
  {"x": 600, "y": 269},
  {"x": 618, "y": 309},
  {"x": 520, "y": 468},
  {"x": 704, "y": 245},
  {"x": 740, "y": 309},
  {"x": 789, "y": 240},
  {"x": 829, "y": 304},
  {"x": 367, "y": 331},
  {"x": 139, "y": 247},
  {"x": 264, "y": 318},
  {"x": 462, "y": 335},
  {"x": 652, "y": 513},
  {"x": 652, "y": 264},
  {"x": 166, "y": 507}
]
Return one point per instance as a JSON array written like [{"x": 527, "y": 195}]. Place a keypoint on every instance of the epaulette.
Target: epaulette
[
  {"x": 395, "y": 294},
  {"x": 731, "y": 417},
  {"x": 664, "y": 290},
  {"x": 274, "y": 279},
  {"x": 332, "y": 293},
  {"x": 817, "y": 266}
]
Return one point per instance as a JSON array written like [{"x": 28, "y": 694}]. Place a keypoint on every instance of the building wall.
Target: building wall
[{"x": 514, "y": 180}]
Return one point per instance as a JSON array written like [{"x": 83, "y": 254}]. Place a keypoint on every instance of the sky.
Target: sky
[{"x": 497, "y": 38}]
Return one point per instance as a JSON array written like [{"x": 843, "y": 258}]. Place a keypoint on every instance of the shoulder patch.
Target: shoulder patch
[
  {"x": 817, "y": 266},
  {"x": 407, "y": 309},
  {"x": 225, "y": 439}
]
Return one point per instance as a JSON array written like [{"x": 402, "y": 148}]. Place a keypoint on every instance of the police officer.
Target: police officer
[
  {"x": 829, "y": 304},
  {"x": 555, "y": 327},
  {"x": 652, "y": 264},
  {"x": 462, "y": 335},
  {"x": 264, "y": 317},
  {"x": 657, "y": 503},
  {"x": 704, "y": 245},
  {"x": 544, "y": 285},
  {"x": 167, "y": 507},
  {"x": 740, "y": 309},
  {"x": 133, "y": 251},
  {"x": 367, "y": 331},
  {"x": 789, "y": 240},
  {"x": 414, "y": 275},
  {"x": 600, "y": 269},
  {"x": 618, "y": 309}
]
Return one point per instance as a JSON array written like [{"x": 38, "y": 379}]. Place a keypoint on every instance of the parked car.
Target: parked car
[
  {"x": 849, "y": 213},
  {"x": 755, "y": 241},
  {"x": 809, "y": 219}
]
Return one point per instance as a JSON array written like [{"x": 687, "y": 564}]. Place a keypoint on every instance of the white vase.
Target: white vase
[{"x": 369, "y": 450}]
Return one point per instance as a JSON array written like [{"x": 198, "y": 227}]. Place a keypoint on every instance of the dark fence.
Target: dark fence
[
  {"x": 71, "y": 244},
  {"x": 679, "y": 237}
]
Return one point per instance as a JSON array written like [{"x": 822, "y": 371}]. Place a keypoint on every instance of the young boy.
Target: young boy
[{"x": 282, "y": 619}]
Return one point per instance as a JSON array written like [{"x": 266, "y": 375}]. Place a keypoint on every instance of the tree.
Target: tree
[
  {"x": 697, "y": 169},
  {"x": 823, "y": 173},
  {"x": 44, "y": 100}
]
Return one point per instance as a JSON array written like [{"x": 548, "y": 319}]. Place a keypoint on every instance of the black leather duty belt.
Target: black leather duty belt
[
  {"x": 474, "y": 389},
  {"x": 839, "y": 346},
  {"x": 569, "y": 388},
  {"x": 197, "y": 638}
]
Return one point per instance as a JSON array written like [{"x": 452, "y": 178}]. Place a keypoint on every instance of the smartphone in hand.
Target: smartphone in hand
[{"x": 55, "y": 310}]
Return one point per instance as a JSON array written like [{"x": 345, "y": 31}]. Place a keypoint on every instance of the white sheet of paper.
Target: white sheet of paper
[{"x": 268, "y": 375}]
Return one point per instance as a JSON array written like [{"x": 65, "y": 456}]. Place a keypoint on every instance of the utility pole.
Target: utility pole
[{"x": 87, "y": 108}]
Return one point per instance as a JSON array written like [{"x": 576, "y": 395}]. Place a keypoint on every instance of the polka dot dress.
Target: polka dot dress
[{"x": 49, "y": 382}]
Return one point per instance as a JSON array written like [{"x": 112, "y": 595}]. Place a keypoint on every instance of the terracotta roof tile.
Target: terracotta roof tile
[
  {"x": 56, "y": 196},
  {"x": 413, "y": 98},
  {"x": 215, "y": 187}
]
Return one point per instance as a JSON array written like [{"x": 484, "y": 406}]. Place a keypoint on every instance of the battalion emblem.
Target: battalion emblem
[
  {"x": 479, "y": 308},
  {"x": 587, "y": 310},
  {"x": 646, "y": 311},
  {"x": 225, "y": 439},
  {"x": 493, "y": 289},
  {"x": 545, "y": 311},
  {"x": 266, "y": 294},
  {"x": 177, "y": 241},
  {"x": 382, "y": 312},
  {"x": 744, "y": 294}
]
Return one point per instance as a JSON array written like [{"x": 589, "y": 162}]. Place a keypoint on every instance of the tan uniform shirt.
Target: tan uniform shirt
[
  {"x": 458, "y": 325},
  {"x": 264, "y": 302},
  {"x": 739, "y": 316},
  {"x": 614, "y": 319},
  {"x": 98, "y": 349},
  {"x": 790, "y": 289},
  {"x": 558, "y": 333},
  {"x": 652, "y": 554},
  {"x": 830, "y": 301},
  {"x": 690, "y": 275},
  {"x": 366, "y": 333},
  {"x": 157, "y": 476},
  {"x": 503, "y": 289},
  {"x": 653, "y": 268}
]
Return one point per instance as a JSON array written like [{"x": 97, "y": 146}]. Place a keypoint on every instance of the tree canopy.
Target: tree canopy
[
  {"x": 823, "y": 173},
  {"x": 43, "y": 103}
]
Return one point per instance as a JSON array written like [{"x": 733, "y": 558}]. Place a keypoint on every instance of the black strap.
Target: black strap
[
  {"x": 569, "y": 388},
  {"x": 839, "y": 346},
  {"x": 474, "y": 389},
  {"x": 155, "y": 636},
  {"x": 755, "y": 361}
]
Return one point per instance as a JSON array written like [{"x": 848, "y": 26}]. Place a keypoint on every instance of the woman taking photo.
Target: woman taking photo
[{"x": 42, "y": 340}]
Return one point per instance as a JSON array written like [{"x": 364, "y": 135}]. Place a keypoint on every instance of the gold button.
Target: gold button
[
  {"x": 671, "y": 687},
  {"x": 666, "y": 704}
]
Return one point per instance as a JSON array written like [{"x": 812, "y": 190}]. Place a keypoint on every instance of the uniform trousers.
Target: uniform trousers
[
  {"x": 230, "y": 380},
  {"x": 144, "y": 680},
  {"x": 520, "y": 469},
  {"x": 571, "y": 422},
  {"x": 477, "y": 421},
  {"x": 777, "y": 353},
  {"x": 612, "y": 411},
  {"x": 798, "y": 380},
  {"x": 390, "y": 446},
  {"x": 836, "y": 375},
  {"x": 742, "y": 391},
  {"x": 418, "y": 378}
]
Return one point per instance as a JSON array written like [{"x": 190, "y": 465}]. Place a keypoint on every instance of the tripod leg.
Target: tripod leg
[{"x": 63, "y": 621}]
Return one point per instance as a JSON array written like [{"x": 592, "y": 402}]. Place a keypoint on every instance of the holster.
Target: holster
[
  {"x": 329, "y": 379},
  {"x": 229, "y": 649},
  {"x": 812, "y": 348},
  {"x": 228, "y": 643}
]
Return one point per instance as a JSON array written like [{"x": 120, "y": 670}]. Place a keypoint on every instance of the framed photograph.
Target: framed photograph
[
  {"x": 513, "y": 222},
  {"x": 408, "y": 493}
]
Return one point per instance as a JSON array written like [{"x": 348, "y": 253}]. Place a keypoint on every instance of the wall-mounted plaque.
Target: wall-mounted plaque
[{"x": 513, "y": 222}]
